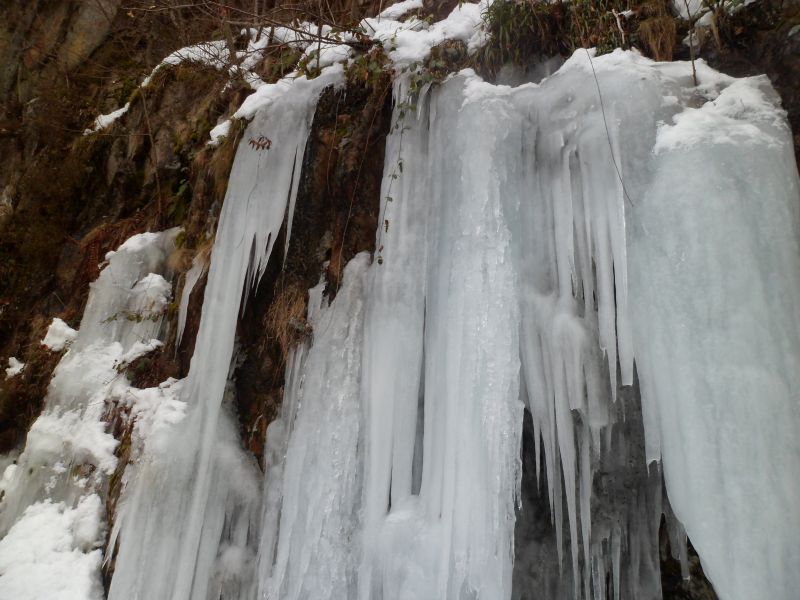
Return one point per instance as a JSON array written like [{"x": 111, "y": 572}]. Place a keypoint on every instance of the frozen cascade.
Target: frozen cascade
[
  {"x": 315, "y": 556},
  {"x": 516, "y": 281},
  {"x": 715, "y": 275},
  {"x": 506, "y": 245},
  {"x": 51, "y": 516},
  {"x": 202, "y": 541}
]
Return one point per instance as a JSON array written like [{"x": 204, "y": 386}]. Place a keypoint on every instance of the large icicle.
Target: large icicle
[
  {"x": 715, "y": 276},
  {"x": 316, "y": 554},
  {"x": 187, "y": 526}
]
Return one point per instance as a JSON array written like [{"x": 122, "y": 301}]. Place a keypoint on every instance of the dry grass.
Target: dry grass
[
  {"x": 286, "y": 318},
  {"x": 658, "y": 33}
]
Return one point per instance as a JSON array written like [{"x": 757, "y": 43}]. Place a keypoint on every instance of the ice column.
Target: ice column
[
  {"x": 189, "y": 522},
  {"x": 715, "y": 279}
]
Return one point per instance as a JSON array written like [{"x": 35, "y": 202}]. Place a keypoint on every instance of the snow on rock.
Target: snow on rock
[
  {"x": 59, "y": 335},
  {"x": 213, "y": 54},
  {"x": 51, "y": 552},
  {"x": 68, "y": 452},
  {"x": 736, "y": 116},
  {"x": 411, "y": 41},
  {"x": 399, "y": 9},
  {"x": 156, "y": 411},
  {"x": 15, "y": 367},
  {"x": 269, "y": 93},
  {"x": 104, "y": 121},
  {"x": 219, "y": 132}
]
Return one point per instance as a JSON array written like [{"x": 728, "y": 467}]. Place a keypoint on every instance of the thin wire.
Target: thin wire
[{"x": 608, "y": 133}]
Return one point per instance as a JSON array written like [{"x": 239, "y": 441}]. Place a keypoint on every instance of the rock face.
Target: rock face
[{"x": 44, "y": 39}]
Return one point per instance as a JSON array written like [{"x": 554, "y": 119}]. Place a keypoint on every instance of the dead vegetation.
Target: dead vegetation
[
  {"x": 286, "y": 318},
  {"x": 523, "y": 32}
]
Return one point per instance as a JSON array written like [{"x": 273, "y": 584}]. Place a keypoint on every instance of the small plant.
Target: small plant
[
  {"x": 368, "y": 68},
  {"x": 286, "y": 318},
  {"x": 262, "y": 142},
  {"x": 134, "y": 316}
]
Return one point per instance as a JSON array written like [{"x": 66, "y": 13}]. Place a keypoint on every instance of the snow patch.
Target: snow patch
[
  {"x": 104, "y": 121},
  {"x": 15, "y": 367},
  {"x": 59, "y": 335},
  {"x": 51, "y": 552}
]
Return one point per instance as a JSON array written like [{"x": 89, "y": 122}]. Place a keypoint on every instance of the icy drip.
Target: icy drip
[
  {"x": 51, "y": 511},
  {"x": 188, "y": 521},
  {"x": 570, "y": 235}
]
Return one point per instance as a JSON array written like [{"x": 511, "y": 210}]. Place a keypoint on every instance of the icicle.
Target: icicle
[
  {"x": 172, "y": 544},
  {"x": 193, "y": 275},
  {"x": 315, "y": 554},
  {"x": 715, "y": 274}
]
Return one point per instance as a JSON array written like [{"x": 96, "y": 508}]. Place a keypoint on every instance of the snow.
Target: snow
[
  {"x": 104, "y": 121},
  {"x": 219, "y": 132},
  {"x": 411, "y": 41},
  {"x": 214, "y": 54},
  {"x": 156, "y": 411},
  {"x": 688, "y": 9},
  {"x": 399, "y": 9},
  {"x": 51, "y": 552},
  {"x": 732, "y": 118},
  {"x": 15, "y": 367},
  {"x": 59, "y": 335},
  {"x": 51, "y": 515},
  {"x": 271, "y": 93}
]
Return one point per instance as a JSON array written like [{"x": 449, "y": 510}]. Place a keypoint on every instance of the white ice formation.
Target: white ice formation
[{"x": 606, "y": 260}]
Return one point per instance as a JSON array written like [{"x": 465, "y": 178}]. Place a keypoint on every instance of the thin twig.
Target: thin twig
[{"x": 691, "y": 40}]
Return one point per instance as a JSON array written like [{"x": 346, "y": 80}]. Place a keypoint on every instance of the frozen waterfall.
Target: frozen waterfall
[{"x": 543, "y": 253}]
